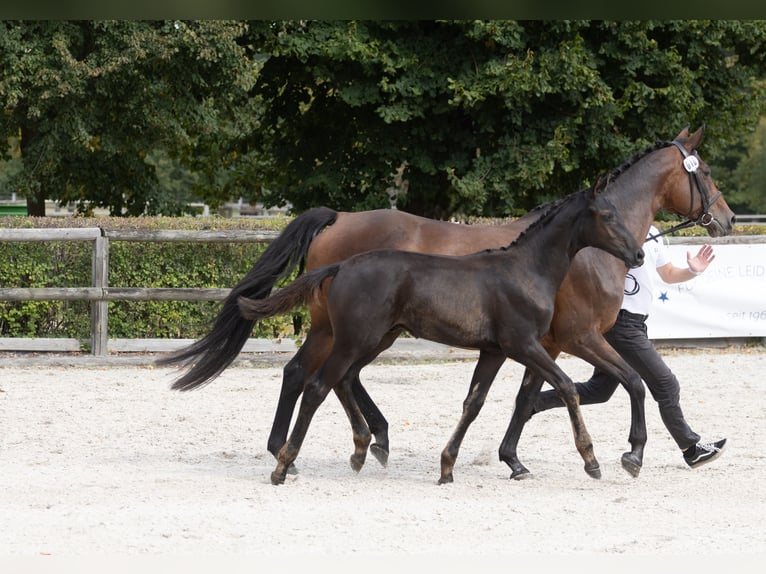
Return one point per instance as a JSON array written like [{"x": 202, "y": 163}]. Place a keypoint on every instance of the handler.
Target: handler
[{"x": 629, "y": 338}]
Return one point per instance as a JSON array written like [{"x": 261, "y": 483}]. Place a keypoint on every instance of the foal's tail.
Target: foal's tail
[
  {"x": 210, "y": 355},
  {"x": 283, "y": 300}
]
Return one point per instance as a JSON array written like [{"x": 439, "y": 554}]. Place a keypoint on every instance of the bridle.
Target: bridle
[{"x": 691, "y": 165}]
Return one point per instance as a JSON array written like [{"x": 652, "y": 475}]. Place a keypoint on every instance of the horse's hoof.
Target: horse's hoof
[
  {"x": 277, "y": 478},
  {"x": 356, "y": 462},
  {"x": 631, "y": 463},
  {"x": 594, "y": 471},
  {"x": 292, "y": 469},
  {"x": 521, "y": 474},
  {"x": 380, "y": 454},
  {"x": 448, "y": 479}
]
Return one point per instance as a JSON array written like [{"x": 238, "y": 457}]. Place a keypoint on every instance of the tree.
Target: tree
[
  {"x": 748, "y": 190},
  {"x": 490, "y": 117},
  {"x": 92, "y": 100}
]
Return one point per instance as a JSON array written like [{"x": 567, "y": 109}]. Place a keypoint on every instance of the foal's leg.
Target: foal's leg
[
  {"x": 315, "y": 391},
  {"x": 536, "y": 358},
  {"x": 599, "y": 353},
  {"x": 375, "y": 419},
  {"x": 315, "y": 348},
  {"x": 483, "y": 376},
  {"x": 359, "y": 429},
  {"x": 378, "y": 425}
]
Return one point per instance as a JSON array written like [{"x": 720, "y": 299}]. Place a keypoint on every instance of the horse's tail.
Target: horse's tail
[
  {"x": 283, "y": 300},
  {"x": 210, "y": 355}
]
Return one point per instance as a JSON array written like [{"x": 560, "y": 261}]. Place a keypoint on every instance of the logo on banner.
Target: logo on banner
[{"x": 631, "y": 279}]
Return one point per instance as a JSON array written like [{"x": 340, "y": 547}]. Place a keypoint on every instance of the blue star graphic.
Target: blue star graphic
[{"x": 663, "y": 296}]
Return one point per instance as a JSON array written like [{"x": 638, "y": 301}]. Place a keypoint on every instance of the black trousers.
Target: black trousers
[{"x": 629, "y": 338}]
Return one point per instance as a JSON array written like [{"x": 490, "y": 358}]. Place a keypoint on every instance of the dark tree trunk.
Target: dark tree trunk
[
  {"x": 36, "y": 205},
  {"x": 35, "y": 200}
]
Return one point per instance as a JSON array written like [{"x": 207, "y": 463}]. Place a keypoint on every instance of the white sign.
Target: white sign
[{"x": 727, "y": 300}]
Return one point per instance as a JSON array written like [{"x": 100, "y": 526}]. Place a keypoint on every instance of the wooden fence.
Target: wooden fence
[{"x": 100, "y": 293}]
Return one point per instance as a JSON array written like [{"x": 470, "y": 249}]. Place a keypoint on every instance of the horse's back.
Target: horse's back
[{"x": 358, "y": 232}]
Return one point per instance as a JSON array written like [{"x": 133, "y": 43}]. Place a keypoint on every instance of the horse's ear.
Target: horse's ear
[
  {"x": 696, "y": 137},
  {"x": 691, "y": 142},
  {"x": 683, "y": 134}
]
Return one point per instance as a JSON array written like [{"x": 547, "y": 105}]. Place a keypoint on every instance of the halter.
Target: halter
[{"x": 691, "y": 163}]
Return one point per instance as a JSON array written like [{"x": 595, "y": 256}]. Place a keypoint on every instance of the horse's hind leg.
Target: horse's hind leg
[
  {"x": 530, "y": 386},
  {"x": 361, "y": 433},
  {"x": 377, "y": 422},
  {"x": 315, "y": 391},
  {"x": 378, "y": 425},
  {"x": 537, "y": 359},
  {"x": 483, "y": 376},
  {"x": 308, "y": 358}
]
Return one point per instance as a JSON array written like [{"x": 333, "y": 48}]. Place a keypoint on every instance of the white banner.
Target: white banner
[{"x": 728, "y": 300}]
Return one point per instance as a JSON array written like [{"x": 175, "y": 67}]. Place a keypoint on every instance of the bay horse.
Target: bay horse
[
  {"x": 586, "y": 306},
  {"x": 498, "y": 301}
]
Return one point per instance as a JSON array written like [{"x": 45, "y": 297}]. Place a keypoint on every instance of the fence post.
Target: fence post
[{"x": 100, "y": 308}]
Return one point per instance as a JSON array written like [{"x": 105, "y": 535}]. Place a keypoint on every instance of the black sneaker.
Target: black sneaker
[{"x": 704, "y": 453}]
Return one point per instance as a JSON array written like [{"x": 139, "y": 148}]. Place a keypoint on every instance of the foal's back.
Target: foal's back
[{"x": 455, "y": 300}]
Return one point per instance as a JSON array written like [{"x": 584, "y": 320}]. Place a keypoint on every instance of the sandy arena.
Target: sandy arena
[{"x": 102, "y": 461}]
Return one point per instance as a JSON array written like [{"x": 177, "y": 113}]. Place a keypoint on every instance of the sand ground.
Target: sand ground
[{"x": 107, "y": 461}]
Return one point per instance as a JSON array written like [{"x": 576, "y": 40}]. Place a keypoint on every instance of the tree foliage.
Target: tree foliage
[
  {"x": 90, "y": 100},
  {"x": 492, "y": 117},
  {"x": 466, "y": 118}
]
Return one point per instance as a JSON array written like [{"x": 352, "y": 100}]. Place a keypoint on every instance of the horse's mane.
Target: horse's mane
[
  {"x": 552, "y": 208},
  {"x": 548, "y": 209},
  {"x": 619, "y": 170}
]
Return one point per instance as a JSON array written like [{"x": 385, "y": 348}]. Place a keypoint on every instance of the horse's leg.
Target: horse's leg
[
  {"x": 309, "y": 356},
  {"x": 359, "y": 428},
  {"x": 292, "y": 387},
  {"x": 315, "y": 391},
  {"x": 530, "y": 387},
  {"x": 598, "y": 352},
  {"x": 378, "y": 425},
  {"x": 483, "y": 376},
  {"x": 536, "y": 358},
  {"x": 376, "y": 421}
]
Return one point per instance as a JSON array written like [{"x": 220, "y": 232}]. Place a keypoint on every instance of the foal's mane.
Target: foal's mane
[{"x": 550, "y": 209}]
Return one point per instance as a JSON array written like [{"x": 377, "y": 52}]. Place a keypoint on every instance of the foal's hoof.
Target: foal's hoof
[
  {"x": 380, "y": 454},
  {"x": 277, "y": 478},
  {"x": 521, "y": 474},
  {"x": 356, "y": 462},
  {"x": 593, "y": 471},
  {"x": 447, "y": 479},
  {"x": 631, "y": 463}
]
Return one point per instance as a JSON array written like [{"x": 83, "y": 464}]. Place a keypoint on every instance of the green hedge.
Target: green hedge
[
  {"x": 220, "y": 265},
  {"x": 131, "y": 264}
]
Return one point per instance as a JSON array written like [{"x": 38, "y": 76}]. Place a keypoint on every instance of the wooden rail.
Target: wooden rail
[{"x": 99, "y": 292}]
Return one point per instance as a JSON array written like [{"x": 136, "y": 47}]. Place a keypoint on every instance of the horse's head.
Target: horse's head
[
  {"x": 603, "y": 227},
  {"x": 690, "y": 192}
]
